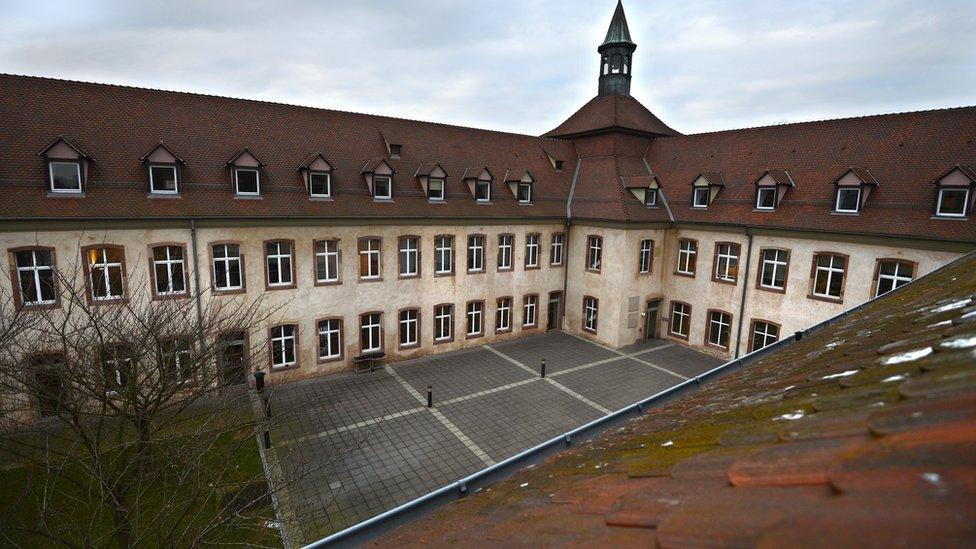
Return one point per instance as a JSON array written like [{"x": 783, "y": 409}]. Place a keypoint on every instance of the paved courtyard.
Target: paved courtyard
[{"x": 361, "y": 444}]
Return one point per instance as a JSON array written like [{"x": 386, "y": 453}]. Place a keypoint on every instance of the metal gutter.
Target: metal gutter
[
  {"x": 566, "y": 246},
  {"x": 745, "y": 290},
  {"x": 374, "y": 527},
  {"x": 197, "y": 297}
]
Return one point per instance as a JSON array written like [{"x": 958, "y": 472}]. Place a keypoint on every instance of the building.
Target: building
[{"x": 376, "y": 234}]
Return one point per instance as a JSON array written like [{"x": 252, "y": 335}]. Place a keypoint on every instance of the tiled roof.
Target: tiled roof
[
  {"x": 612, "y": 111},
  {"x": 861, "y": 434}
]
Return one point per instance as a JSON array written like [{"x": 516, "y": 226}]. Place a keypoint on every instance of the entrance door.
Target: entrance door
[
  {"x": 650, "y": 327},
  {"x": 554, "y": 307},
  {"x": 233, "y": 359}
]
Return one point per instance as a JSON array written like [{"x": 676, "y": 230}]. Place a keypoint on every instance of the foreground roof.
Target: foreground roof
[{"x": 863, "y": 433}]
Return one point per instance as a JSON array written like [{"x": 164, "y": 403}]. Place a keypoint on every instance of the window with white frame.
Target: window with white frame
[
  {"x": 700, "y": 197},
  {"x": 163, "y": 179},
  {"x": 482, "y": 190},
  {"x": 848, "y": 200},
  {"x": 687, "y": 256},
  {"x": 892, "y": 274},
  {"x": 531, "y": 251},
  {"x": 443, "y": 254},
  {"x": 773, "y": 268},
  {"x": 369, "y": 258},
  {"x": 726, "y": 261},
  {"x": 590, "y": 312},
  {"x": 680, "y": 319},
  {"x": 116, "y": 367},
  {"x": 227, "y": 262},
  {"x": 283, "y": 348},
  {"x": 505, "y": 251},
  {"x": 828, "y": 278},
  {"x": 766, "y": 198},
  {"x": 443, "y": 322},
  {"x": 105, "y": 273},
  {"x": 594, "y": 253},
  {"x": 763, "y": 334},
  {"x": 326, "y": 261},
  {"x": 952, "y": 202},
  {"x": 35, "y": 277},
  {"x": 247, "y": 181},
  {"x": 435, "y": 189},
  {"x": 503, "y": 314},
  {"x": 330, "y": 339},
  {"x": 409, "y": 327},
  {"x": 719, "y": 326},
  {"x": 382, "y": 187},
  {"x": 65, "y": 176},
  {"x": 476, "y": 315},
  {"x": 370, "y": 339},
  {"x": 278, "y": 256},
  {"x": 177, "y": 360},
  {"x": 409, "y": 256},
  {"x": 524, "y": 193},
  {"x": 320, "y": 184},
  {"x": 556, "y": 250},
  {"x": 646, "y": 253},
  {"x": 169, "y": 270},
  {"x": 476, "y": 253},
  {"x": 650, "y": 197},
  {"x": 530, "y": 311}
]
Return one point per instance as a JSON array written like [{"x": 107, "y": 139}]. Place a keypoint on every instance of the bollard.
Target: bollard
[
  {"x": 543, "y": 368},
  {"x": 430, "y": 396},
  {"x": 259, "y": 381}
]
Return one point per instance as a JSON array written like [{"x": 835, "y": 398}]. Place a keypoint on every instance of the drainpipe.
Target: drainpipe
[
  {"x": 196, "y": 282},
  {"x": 566, "y": 246},
  {"x": 745, "y": 289}
]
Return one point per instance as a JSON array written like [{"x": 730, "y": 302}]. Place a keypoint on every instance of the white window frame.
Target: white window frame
[
  {"x": 897, "y": 279},
  {"x": 369, "y": 252},
  {"x": 444, "y": 254},
  {"x": 965, "y": 202},
  {"x": 476, "y": 253},
  {"x": 837, "y": 200},
  {"x": 227, "y": 260},
  {"x": 278, "y": 258},
  {"x": 430, "y": 187},
  {"x": 591, "y": 310},
  {"x": 35, "y": 269},
  {"x": 644, "y": 259},
  {"x": 531, "y": 251},
  {"x": 759, "y": 198},
  {"x": 389, "y": 187},
  {"x": 775, "y": 264},
  {"x": 487, "y": 184},
  {"x": 409, "y": 255},
  {"x": 152, "y": 180},
  {"x": 594, "y": 253},
  {"x": 687, "y": 249},
  {"x": 556, "y": 249},
  {"x": 279, "y": 335},
  {"x": 829, "y": 271},
  {"x": 257, "y": 181},
  {"x": 530, "y": 311},
  {"x": 685, "y": 321},
  {"x": 50, "y": 171},
  {"x": 503, "y": 313},
  {"x": 327, "y": 328},
  {"x": 767, "y": 334},
  {"x": 367, "y": 325},
  {"x": 476, "y": 318},
  {"x": 518, "y": 190},
  {"x": 180, "y": 355},
  {"x": 443, "y": 322},
  {"x": 650, "y": 197},
  {"x": 170, "y": 264},
  {"x": 330, "y": 250},
  {"x": 105, "y": 267},
  {"x": 695, "y": 193},
  {"x": 409, "y": 322},
  {"x": 506, "y": 243},
  {"x": 724, "y": 261},
  {"x": 716, "y": 322},
  {"x": 328, "y": 184}
]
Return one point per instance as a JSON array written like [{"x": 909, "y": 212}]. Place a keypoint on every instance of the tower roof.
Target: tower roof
[
  {"x": 614, "y": 112},
  {"x": 618, "y": 33}
]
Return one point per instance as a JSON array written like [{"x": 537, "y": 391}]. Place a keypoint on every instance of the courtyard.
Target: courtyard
[{"x": 361, "y": 444}]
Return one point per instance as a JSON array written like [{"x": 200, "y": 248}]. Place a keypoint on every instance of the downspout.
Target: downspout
[
  {"x": 566, "y": 246},
  {"x": 196, "y": 282},
  {"x": 745, "y": 289}
]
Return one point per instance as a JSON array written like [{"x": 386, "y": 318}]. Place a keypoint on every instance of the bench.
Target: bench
[{"x": 368, "y": 361}]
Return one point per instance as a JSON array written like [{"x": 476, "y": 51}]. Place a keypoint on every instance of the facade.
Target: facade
[{"x": 374, "y": 234}]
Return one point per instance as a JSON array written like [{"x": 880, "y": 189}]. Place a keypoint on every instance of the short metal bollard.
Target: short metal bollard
[
  {"x": 430, "y": 396},
  {"x": 543, "y": 371}
]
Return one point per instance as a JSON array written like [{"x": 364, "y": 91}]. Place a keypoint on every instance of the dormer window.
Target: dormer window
[
  {"x": 520, "y": 182},
  {"x": 382, "y": 187},
  {"x": 558, "y": 164},
  {"x": 853, "y": 188},
  {"x": 67, "y": 166},
  {"x": 771, "y": 187},
  {"x": 317, "y": 173},
  {"x": 479, "y": 180},
  {"x": 645, "y": 188},
  {"x": 482, "y": 190},
  {"x": 435, "y": 189},
  {"x": 525, "y": 193},
  {"x": 848, "y": 200},
  {"x": 65, "y": 176},
  {"x": 952, "y": 202},
  {"x": 650, "y": 197},
  {"x": 164, "y": 170},
  {"x": 379, "y": 178},
  {"x": 395, "y": 150},
  {"x": 433, "y": 179},
  {"x": 954, "y": 192},
  {"x": 705, "y": 188},
  {"x": 701, "y": 197},
  {"x": 162, "y": 180},
  {"x": 766, "y": 198},
  {"x": 246, "y": 173}
]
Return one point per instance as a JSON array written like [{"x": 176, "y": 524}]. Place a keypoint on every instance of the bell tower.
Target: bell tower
[{"x": 616, "y": 56}]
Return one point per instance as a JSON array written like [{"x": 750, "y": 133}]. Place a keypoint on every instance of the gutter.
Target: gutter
[
  {"x": 373, "y": 528},
  {"x": 566, "y": 246},
  {"x": 197, "y": 297},
  {"x": 745, "y": 290}
]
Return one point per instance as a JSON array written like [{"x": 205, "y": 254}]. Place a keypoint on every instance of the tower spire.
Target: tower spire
[{"x": 616, "y": 55}]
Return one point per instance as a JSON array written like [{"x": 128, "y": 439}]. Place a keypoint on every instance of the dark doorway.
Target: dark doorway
[
  {"x": 555, "y": 301},
  {"x": 233, "y": 358},
  {"x": 650, "y": 319}
]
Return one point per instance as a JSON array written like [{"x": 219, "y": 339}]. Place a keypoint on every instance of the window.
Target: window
[
  {"x": 320, "y": 184},
  {"x": 646, "y": 253},
  {"x": 952, "y": 202},
  {"x": 650, "y": 197},
  {"x": 525, "y": 193},
  {"x": 505, "y": 251},
  {"x": 719, "y": 326},
  {"x": 162, "y": 180},
  {"x": 476, "y": 253},
  {"x": 409, "y": 256},
  {"x": 503, "y": 314},
  {"x": 169, "y": 272},
  {"x": 773, "y": 268},
  {"x": 828, "y": 276},
  {"x": 763, "y": 334},
  {"x": 369, "y": 258},
  {"x": 590, "y": 309},
  {"x": 680, "y": 319},
  {"x": 395, "y": 150},
  {"x": 892, "y": 274},
  {"x": 382, "y": 187},
  {"x": 283, "y": 346},
  {"x": 766, "y": 198},
  {"x": 105, "y": 273},
  {"x": 482, "y": 190},
  {"x": 700, "y": 197},
  {"x": 326, "y": 261},
  {"x": 330, "y": 339},
  {"x": 247, "y": 181},
  {"x": 443, "y": 323},
  {"x": 558, "y": 164},
  {"x": 280, "y": 264},
  {"x": 531, "y": 251},
  {"x": 443, "y": 254},
  {"x": 370, "y": 339},
  {"x": 65, "y": 177},
  {"x": 687, "y": 256},
  {"x": 177, "y": 360},
  {"x": 594, "y": 253},
  {"x": 35, "y": 277},
  {"x": 116, "y": 367},
  {"x": 556, "y": 250},
  {"x": 530, "y": 311},
  {"x": 476, "y": 315},
  {"x": 409, "y": 327},
  {"x": 726, "y": 262},
  {"x": 227, "y": 267},
  {"x": 435, "y": 188},
  {"x": 848, "y": 200}
]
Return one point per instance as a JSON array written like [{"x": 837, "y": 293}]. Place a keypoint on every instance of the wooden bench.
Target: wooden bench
[{"x": 366, "y": 362}]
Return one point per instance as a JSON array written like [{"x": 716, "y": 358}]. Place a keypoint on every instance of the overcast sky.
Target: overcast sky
[{"x": 515, "y": 65}]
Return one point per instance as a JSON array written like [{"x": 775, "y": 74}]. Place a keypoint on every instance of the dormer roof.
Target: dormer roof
[
  {"x": 475, "y": 172},
  {"x": 518, "y": 175},
  {"x": 714, "y": 179},
  {"x": 781, "y": 177},
  {"x": 639, "y": 181},
  {"x": 161, "y": 145},
  {"x": 374, "y": 163},
  {"x": 312, "y": 159},
  {"x": 71, "y": 144},
  {"x": 244, "y": 153},
  {"x": 862, "y": 174},
  {"x": 968, "y": 171},
  {"x": 426, "y": 168}
]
